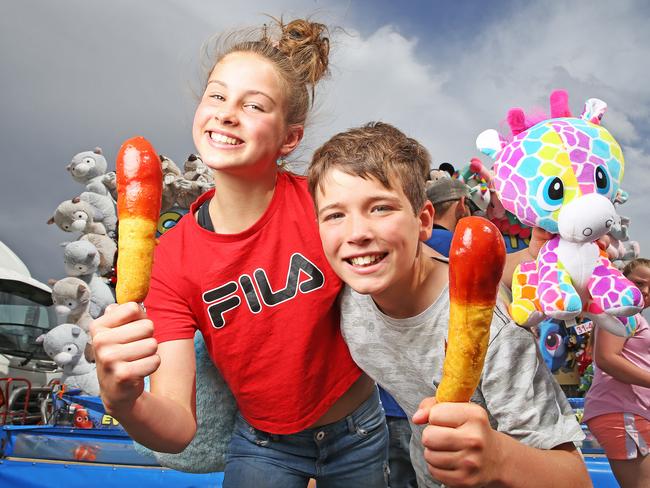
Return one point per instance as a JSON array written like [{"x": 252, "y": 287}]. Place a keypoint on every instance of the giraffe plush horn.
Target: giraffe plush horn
[{"x": 489, "y": 142}]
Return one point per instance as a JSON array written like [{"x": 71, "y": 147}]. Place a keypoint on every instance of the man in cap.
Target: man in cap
[{"x": 451, "y": 202}]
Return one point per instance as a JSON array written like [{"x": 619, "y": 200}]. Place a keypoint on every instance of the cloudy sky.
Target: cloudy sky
[{"x": 76, "y": 74}]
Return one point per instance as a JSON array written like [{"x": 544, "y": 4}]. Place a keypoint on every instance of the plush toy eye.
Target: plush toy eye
[
  {"x": 551, "y": 194},
  {"x": 88, "y": 160},
  {"x": 602, "y": 180},
  {"x": 554, "y": 345}
]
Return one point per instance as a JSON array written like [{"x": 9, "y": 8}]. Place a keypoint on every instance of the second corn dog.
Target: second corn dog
[{"x": 476, "y": 261}]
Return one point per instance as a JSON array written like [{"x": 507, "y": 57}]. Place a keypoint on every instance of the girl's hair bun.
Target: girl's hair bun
[{"x": 307, "y": 45}]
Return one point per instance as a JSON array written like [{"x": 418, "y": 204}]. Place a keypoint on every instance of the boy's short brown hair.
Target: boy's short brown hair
[{"x": 377, "y": 150}]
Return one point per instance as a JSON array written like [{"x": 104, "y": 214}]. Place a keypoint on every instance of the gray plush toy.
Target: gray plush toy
[
  {"x": 110, "y": 182},
  {"x": 71, "y": 297},
  {"x": 171, "y": 173},
  {"x": 76, "y": 216},
  {"x": 81, "y": 260},
  {"x": 215, "y": 418},
  {"x": 65, "y": 344},
  {"x": 89, "y": 168},
  {"x": 104, "y": 208},
  {"x": 106, "y": 248},
  {"x": 194, "y": 169}
]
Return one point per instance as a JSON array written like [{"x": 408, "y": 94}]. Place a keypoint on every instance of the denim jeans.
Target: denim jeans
[
  {"x": 402, "y": 474},
  {"x": 349, "y": 453}
]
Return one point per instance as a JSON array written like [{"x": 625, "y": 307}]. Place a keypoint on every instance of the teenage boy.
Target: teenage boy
[{"x": 519, "y": 430}]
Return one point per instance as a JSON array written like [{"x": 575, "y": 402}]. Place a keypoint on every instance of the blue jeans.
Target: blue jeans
[
  {"x": 402, "y": 474},
  {"x": 349, "y": 453}
]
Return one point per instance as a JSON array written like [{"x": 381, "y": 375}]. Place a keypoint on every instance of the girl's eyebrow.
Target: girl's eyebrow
[{"x": 247, "y": 92}]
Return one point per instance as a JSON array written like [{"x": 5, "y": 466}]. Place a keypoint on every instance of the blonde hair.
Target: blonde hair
[
  {"x": 635, "y": 263},
  {"x": 377, "y": 150},
  {"x": 299, "y": 50}
]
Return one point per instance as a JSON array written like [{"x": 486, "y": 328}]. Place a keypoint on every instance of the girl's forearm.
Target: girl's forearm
[
  {"x": 623, "y": 370},
  {"x": 159, "y": 423}
]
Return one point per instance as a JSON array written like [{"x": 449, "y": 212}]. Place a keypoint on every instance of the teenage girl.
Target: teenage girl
[
  {"x": 246, "y": 268},
  {"x": 617, "y": 405}
]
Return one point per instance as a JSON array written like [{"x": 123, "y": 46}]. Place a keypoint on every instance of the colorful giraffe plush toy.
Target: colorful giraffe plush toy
[{"x": 562, "y": 174}]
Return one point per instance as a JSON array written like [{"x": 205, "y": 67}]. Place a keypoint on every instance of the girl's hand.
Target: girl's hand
[
  {"x": 460, "y": 446},
  {"x": 125, "y": 352}
]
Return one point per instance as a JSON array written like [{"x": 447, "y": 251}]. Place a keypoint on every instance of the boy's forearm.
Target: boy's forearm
[
  {"x": 159, "y": 423},
  {"x": 512, "y": 260},
  {"x": 527, "y": 467}
]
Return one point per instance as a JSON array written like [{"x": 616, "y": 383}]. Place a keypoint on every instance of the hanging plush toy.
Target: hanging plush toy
[
  {"x": 483, "y": 194},
  {"x": 553, "y": 343},
  {"x": 481, "y": 190},
  {"x": 562, "y": 175}
]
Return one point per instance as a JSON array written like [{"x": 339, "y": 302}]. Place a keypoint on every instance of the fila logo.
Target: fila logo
[{"x": 223, "y": 298}]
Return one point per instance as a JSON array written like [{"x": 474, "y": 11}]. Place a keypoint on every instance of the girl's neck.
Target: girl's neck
[{"x": 239, "y": 201}]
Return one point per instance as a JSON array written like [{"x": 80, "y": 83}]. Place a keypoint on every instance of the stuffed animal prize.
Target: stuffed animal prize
[{"x": 563, "y": 175}]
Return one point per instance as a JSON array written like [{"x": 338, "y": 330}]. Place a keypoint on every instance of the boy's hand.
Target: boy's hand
[
  {"x": 125, "y": 352},
  {"x": 460, "y": 446},
  {"x": 538, "y": 238}
]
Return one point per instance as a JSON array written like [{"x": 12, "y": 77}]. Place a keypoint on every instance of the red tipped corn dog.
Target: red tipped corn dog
[
  {"x": 139, "y": 192},
  {"x": 476, "y": 261}
]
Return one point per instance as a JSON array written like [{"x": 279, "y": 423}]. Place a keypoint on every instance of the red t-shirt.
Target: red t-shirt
[{"x": 265, "y": 301}]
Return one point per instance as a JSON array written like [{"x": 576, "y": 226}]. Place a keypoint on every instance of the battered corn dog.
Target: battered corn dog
[
  {"x": 476, "y": 260},
  {"x": 139, "y": 193}
]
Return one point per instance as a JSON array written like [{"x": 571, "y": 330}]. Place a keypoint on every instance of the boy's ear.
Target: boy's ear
[
  {"x": 426, "y": 220},
  {"x": 292, "y": 139}
]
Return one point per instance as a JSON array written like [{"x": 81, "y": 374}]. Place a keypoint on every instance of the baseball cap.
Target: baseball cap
[{"x": 445, "y": 190}]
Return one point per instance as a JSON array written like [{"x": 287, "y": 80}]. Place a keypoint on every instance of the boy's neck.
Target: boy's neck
[{"x": 404, "y": 300}]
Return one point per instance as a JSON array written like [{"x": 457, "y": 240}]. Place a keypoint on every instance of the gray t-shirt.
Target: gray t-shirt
[{"x": 405, "y": 357}]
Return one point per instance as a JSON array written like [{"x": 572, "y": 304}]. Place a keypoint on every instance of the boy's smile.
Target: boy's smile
[{"x": 370, "y": 234}]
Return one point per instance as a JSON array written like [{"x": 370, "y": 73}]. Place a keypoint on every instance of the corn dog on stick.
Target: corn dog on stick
[
  {"x": 139, "y": 193},
  {"x": 476, "y": 260}
]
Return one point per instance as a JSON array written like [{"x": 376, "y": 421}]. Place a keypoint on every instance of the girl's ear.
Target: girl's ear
[
  {"x": 426, "y": 220},
  {"x": 292, "y": 139}
]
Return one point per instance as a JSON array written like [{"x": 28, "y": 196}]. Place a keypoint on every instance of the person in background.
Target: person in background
[
  {"x": 617, "y": 405},
  {"x": 451, "y": 202}
]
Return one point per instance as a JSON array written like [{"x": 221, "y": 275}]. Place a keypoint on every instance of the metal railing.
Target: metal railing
[{"x": 21, "y": 403}]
